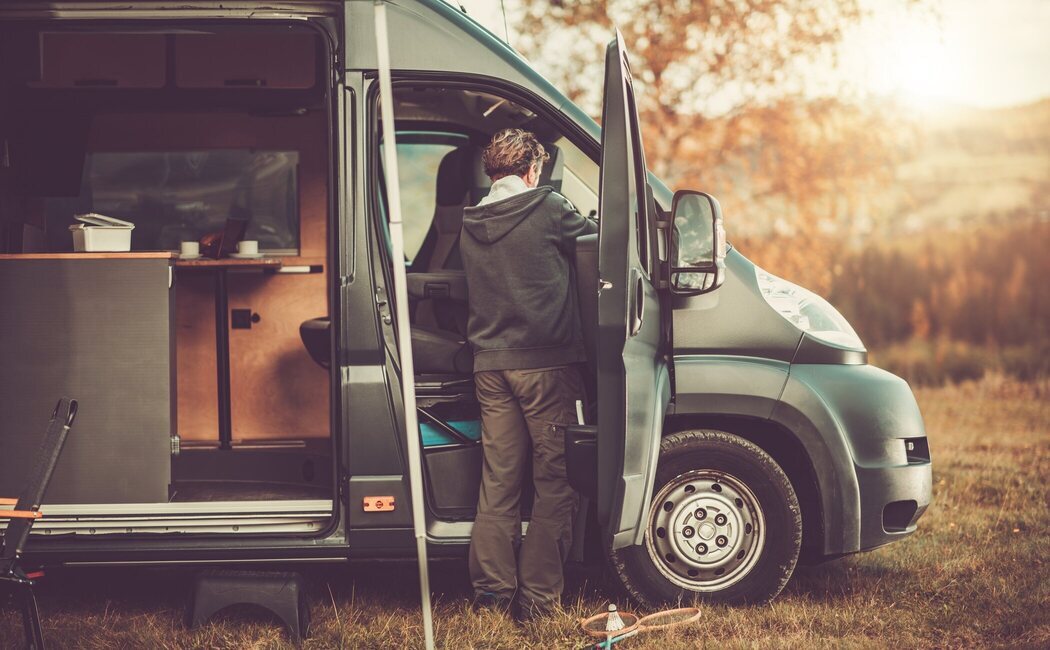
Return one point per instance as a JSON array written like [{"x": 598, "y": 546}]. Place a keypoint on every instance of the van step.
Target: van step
[
  {"x": 283, "y": 593},
  {"x": 302, "y": 517}
]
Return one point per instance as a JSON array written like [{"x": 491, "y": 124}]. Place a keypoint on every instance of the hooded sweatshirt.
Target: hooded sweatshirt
[{"x": 517, "y": 250}]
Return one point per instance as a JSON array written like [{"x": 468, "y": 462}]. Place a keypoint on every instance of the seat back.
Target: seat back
[
  {"x": 440, "y": 248},
  {"x": 554, "y": 170},
  {"x": 39, "y": 476}
]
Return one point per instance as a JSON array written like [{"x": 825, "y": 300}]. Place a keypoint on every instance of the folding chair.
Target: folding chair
[{"x": 27, "y": 510}]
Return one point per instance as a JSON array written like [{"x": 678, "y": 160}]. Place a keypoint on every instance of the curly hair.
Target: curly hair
[{"x": 512, "y": 151}]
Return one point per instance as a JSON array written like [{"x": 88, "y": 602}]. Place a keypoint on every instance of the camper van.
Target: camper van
[{"x": 246, "y": 406}]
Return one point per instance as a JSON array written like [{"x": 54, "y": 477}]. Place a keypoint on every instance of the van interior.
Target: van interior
[{"x": 179, "y": 130}]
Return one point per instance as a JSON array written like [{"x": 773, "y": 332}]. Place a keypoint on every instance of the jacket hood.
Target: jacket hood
[{"x": 491, "y": 222}]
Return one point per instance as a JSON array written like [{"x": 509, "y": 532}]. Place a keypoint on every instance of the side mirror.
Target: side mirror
[{"x": 698, "y": 243}]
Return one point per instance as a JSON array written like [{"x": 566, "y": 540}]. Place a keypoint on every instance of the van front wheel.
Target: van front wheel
[{"x": 724, "y": 525}]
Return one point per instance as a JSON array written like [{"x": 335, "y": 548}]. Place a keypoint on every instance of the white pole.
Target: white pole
[{"x": 404, "y": 340}]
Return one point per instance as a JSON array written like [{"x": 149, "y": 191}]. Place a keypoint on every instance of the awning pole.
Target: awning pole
[{"x": 404, "y": 340}]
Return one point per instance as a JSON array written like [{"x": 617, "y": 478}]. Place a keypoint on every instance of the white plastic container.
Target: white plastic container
[{"x": 99, "y": 233}]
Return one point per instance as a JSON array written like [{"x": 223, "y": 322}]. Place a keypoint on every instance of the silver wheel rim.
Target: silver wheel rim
[{"x": 706, "y": 530}]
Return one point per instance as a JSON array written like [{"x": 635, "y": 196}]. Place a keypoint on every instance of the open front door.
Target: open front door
[{"x": 633, "y": 384}]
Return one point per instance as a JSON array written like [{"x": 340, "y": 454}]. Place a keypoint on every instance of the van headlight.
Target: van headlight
[{"x": 807, "y": 311}]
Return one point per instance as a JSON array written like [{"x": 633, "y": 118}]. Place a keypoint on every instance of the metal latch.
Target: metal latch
[{"x": 382, "y": 303}]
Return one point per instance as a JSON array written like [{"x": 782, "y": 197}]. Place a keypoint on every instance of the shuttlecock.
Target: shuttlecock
[{"x": 613, "y": 622}]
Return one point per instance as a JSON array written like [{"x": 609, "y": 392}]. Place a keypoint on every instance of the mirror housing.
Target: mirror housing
[{"x": 698, "y": 244}]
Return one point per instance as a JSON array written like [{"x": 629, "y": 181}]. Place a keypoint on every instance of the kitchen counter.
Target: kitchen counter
[{"x": 89, "y": 256}]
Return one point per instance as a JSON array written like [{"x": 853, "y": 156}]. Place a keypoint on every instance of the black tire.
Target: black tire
[{"x": 689, "y": 459}]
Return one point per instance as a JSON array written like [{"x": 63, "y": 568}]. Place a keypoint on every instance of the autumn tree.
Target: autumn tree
[{"x": 729, "y": 101}]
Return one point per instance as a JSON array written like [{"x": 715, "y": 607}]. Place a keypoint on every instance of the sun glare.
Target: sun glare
[{"x": 915, "y": 64}]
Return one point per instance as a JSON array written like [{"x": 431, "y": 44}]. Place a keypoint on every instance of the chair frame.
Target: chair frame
[{"x": 26, "y": 510}]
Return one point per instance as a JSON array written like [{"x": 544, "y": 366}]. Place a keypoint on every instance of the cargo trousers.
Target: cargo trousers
[{"x": 519, "y": 409}]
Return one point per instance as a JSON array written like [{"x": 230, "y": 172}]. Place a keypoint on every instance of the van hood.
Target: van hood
[{"x": 491, "y": 222}]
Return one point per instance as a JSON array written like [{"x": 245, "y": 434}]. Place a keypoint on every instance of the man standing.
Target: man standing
[{"x": 524, "y": 327}]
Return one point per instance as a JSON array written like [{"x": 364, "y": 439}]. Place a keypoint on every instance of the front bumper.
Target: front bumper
[
  {"x": 865, "y": 437},
  {"x": 891, "y": 501}
]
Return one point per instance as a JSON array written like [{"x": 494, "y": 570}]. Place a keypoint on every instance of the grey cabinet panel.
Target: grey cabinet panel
[{"x": 100, "y": 331}]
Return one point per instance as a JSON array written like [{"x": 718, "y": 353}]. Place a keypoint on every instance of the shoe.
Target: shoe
[
  {"x": 491, "y": 601},
  {"x": 527, "y": 611}
]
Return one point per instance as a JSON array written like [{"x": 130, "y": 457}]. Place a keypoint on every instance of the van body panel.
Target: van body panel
[
  {"x": 734, "y": 320},
  {"x": 641, "y": 456},
  {"x": 728, "y": 385},
  {"x": 435, "y": 36},
  {"x": 150, "y": 551},
  {"x": 814, "y": 350},
  {"x": 94, "y": 9}
]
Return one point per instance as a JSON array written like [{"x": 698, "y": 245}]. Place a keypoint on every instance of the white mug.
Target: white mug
[
  {"x": 248, "y": 247},
  {"x": 189, "y": 249}
]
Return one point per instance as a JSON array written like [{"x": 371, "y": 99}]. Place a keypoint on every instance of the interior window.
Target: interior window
[
  {"x": 580, "y": 180},
  {"x": 180, "y": 196}
]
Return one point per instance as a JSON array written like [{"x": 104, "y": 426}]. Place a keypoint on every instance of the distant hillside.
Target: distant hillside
[{"x": 969, "y": 166}]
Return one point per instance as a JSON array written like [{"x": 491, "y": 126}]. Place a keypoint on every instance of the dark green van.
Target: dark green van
[{"x": 248, "y": 408}]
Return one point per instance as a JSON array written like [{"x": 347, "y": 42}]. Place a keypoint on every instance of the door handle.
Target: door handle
[{"x": 637, "y": 304}]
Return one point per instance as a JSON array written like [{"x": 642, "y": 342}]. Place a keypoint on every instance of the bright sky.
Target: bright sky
[{"x": 973, "y": 52}]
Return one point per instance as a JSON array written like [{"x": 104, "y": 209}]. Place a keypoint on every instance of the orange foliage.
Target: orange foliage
[{"x": 723, "y": 102}]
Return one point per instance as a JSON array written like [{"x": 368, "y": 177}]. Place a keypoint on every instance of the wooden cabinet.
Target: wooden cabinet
[{"x": 277, "y": 392}]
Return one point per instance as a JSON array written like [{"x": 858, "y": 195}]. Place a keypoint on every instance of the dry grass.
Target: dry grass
[{"x": 976, "y": 573}]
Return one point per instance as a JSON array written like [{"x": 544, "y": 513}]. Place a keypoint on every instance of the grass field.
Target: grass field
[{"x": 976, "y": 574}]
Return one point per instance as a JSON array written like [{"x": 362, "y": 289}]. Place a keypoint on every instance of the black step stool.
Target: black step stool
[{"x": 282, "y": 593}]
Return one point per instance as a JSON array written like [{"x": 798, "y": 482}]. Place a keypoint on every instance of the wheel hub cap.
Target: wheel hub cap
[{"x": 706, "y": 530}]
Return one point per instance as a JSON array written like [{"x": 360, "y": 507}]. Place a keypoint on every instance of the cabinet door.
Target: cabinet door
[
  {"x": 264, "y": 60},
  {"x": 98, "y": 331},
  {"x": 276, "y": 390},
  {"x": 99, "y": 60}
]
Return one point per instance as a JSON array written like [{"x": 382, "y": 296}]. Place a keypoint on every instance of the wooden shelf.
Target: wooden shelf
[{"x": 230, "y": 263}]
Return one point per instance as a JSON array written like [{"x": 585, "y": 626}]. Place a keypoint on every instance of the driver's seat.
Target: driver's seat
[{"x": 439, "y": 343}]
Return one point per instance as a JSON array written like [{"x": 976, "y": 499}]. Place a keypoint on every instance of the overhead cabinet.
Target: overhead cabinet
[
  {"x": 101, "y": 60},
  {"x": 246, "y": 60},
  {"x": 199, "y": 61}
]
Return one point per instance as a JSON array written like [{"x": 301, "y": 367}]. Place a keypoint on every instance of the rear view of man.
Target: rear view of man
[{"x": 524, "y": 327}]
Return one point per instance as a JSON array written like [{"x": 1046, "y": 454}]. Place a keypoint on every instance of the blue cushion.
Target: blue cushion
[{"x": 433, "y": 436}]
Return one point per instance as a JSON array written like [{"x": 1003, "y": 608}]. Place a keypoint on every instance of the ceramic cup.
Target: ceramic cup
[
  {"x": 248, "y": 247},
  {"x": 189, "y": 249}
]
